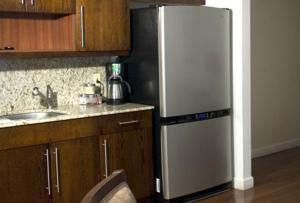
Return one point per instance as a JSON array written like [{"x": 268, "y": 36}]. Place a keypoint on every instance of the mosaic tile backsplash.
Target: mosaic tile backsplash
[{"x": 65, "y": 76}]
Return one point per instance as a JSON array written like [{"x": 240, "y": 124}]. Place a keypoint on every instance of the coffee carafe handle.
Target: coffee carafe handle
[
  {"x": 128, "y": 86},
  {"x": 115, "y": 77}
]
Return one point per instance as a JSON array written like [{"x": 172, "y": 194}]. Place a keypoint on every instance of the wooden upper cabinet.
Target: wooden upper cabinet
[
  {"x": 39, "y": 6},
  {"x": 102, "y": 25},
  {"x": 12, "y": 5},
  {"x": 53, "y": 6}
]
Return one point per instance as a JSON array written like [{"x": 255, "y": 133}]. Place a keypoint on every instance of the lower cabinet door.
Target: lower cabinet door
[
  {"x": 23, "y": 175},
  {"x": 110, "y": 154},
  {"x": 131, "y": 151},
  {"x": 137, "y": 161},
  {"x": 74, "y": 168}
]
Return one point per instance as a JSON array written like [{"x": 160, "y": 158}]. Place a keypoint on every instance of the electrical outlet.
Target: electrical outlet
[{"x": 96, "y": 76}]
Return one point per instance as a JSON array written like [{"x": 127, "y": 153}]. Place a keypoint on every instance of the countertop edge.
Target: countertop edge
[{"x": 70, "y": 116}]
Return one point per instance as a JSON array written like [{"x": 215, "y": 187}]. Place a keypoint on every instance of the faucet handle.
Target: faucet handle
[{"x": 35, "y": 91}]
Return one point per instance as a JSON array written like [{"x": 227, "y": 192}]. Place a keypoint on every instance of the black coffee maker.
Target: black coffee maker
[{"x": 118, "y": 89}]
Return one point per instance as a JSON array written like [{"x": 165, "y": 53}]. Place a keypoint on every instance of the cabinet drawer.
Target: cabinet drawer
[
  {"x": 42, "y": 133},
  {"x": 125, "y": 122}
]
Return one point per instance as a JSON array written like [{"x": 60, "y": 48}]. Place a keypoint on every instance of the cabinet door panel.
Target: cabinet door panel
[
  {"x": 131, "y": 151},
  {"x": 12, "y": 5},
  {"x": 102, "y": 25},
  {"x": 53, "y": 6},
  {"x": 112, "y": 154},
  {"x": 23, "y": 175},
  {"x": 137, "y": 161},
  {"x": 77, "y": 168}
]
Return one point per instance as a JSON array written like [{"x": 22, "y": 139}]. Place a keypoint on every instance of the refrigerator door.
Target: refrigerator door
[
  {"x": 196, "y": 156},
  {"x": 194, "y": 59}
]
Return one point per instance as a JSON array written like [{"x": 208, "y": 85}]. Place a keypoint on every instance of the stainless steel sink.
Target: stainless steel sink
[{"x": 32, "y": 115}]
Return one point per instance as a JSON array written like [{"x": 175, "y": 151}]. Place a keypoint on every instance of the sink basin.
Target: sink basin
[{"x": 33, "y": 115}]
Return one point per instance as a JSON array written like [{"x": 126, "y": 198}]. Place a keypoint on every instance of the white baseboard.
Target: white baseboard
[
  {"x": 243, "y": 183},
  {"x": 270, "y": 149}
]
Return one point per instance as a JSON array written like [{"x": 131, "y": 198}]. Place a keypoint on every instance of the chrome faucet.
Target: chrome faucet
[{"x": 46, "y": 100}]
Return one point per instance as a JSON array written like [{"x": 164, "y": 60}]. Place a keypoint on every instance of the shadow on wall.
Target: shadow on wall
[{"x": 12, "y": 64}]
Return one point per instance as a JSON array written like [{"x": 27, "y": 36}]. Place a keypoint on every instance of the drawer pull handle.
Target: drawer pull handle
[
  {"x": 105, "y": 158},
  {"x": 32, "y": 2},
  {"x": 48, "y": 172},
  {"x": 23, "y": 2},
  {"x": 129, "y": 122},
  {"x": 82, "y": 26},
  {"x": 57, "y": 170}
]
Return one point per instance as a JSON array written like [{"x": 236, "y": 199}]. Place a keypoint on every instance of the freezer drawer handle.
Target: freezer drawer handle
[{"x": 129, "y": 122}]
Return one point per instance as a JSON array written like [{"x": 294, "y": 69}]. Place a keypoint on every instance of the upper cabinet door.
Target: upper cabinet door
[
  {"x": 53, "y": 6},
  {"x": 12, "y": 5},
  {"x": 102, "y": 25}
]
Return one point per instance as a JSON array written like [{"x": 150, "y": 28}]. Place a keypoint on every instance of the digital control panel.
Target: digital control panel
[{"x": 195, "y": 117}]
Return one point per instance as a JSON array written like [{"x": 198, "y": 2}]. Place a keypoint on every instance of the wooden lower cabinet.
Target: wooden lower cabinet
[
  {"x": 23, "y": 175},
  {"x": 74, "y": 155},
  {"x": 130, "y": 148},
  {"x": 74, "y": 168}
]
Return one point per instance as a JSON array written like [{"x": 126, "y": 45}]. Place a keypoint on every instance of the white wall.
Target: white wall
[
  {"x": 241, "y": 90},
  {"x": 275, "y": 75}
]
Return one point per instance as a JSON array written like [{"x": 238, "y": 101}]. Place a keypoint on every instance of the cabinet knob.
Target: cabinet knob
[{"x": 8, "y": 48}]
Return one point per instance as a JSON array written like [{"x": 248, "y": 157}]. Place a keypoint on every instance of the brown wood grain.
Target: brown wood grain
[
  {"x": 111, "y": 123},
  {"x": 12, "y": 5},
  {"x": 81, "y": 155},
  {"x": 36, "y": 32},
  {"x": 78, "y": 168},
  {"x": 53, "y": 6},
  {"x": 43, "y": 133},
  {"x": 276, "y": 179},
  {"x": 106, "y": 25},
  {"x": 137, "y": 161},
  {"x": 23, "y": 175},
  {"x": 129, "y": 147}
]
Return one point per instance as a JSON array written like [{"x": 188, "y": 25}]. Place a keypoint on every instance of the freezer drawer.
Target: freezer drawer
[{"x": 196, "y": 156}]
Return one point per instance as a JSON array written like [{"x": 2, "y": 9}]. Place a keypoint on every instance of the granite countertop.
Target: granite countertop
[{"x": 75, "y": 112}]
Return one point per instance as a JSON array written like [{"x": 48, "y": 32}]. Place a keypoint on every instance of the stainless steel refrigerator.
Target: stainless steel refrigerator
[{"x": 181, "y": 63}]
